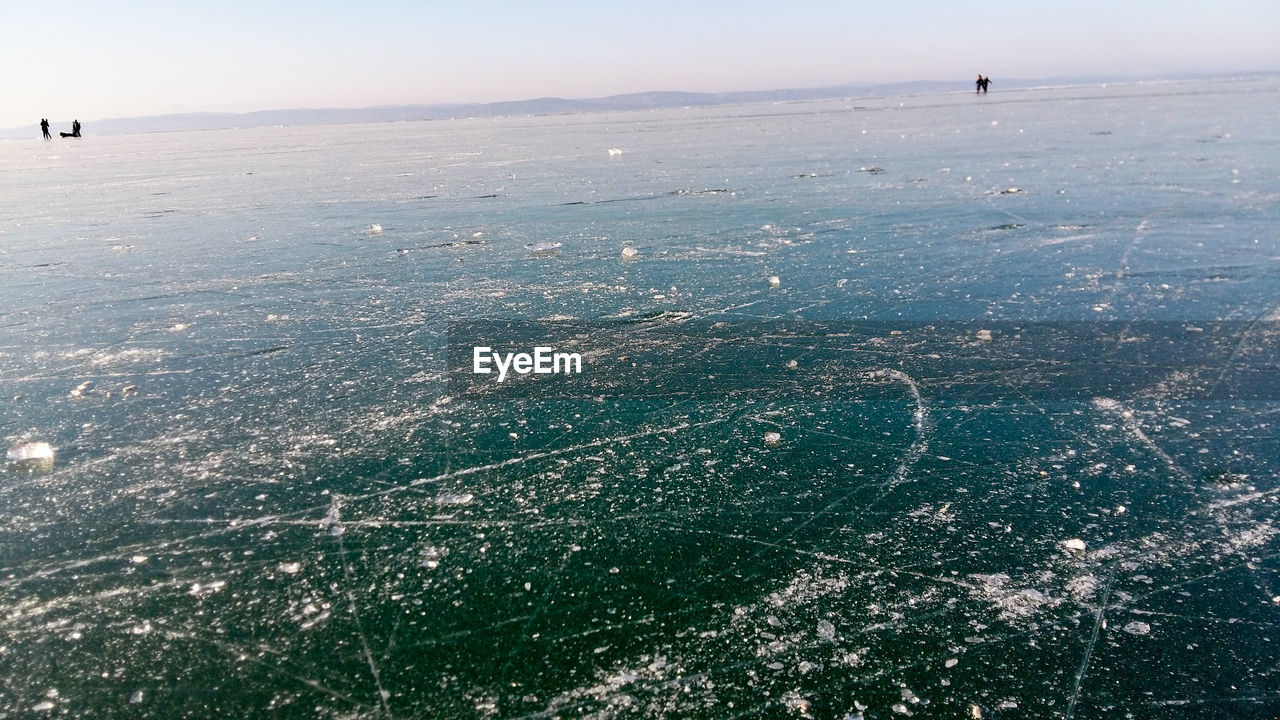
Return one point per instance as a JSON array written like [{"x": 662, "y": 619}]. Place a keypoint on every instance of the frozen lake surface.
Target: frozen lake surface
[{"x": 889, "y": 407}]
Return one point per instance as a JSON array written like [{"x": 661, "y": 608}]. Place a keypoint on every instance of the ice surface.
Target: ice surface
[{"x": 302, "y": 510}]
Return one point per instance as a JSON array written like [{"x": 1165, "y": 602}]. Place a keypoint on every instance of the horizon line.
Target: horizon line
[{"x": 1019, "y": 83}]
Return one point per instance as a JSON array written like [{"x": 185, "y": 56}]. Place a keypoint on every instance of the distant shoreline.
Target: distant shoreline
[{"x": 657, "y": 100}]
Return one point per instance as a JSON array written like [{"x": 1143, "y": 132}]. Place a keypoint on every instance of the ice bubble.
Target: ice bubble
[
  {"x": 774, "y": 281},
  {"x": 30, "y": 453},
  {"x": 772, "y": 438},
  {"x": 984, "y": 335},
  {"x": 826, "y": 630},
  {"x": 289, "y": 568},
  {"x": 374, "y": 229},
  {"x": 792, "y": 365},
  {"x": 615, "y": 152},
  {"x": 1074, "y": 544},
  {"x": 629, "y": 253},
  {"x": 952, "y": 662}
]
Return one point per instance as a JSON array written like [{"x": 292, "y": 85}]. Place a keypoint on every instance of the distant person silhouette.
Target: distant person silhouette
[
  {"x": 985, "y": 82},
  {"x": 75, "y": 124},
  {"x": 44, "y": 128},
  {"x": 977, "y": 84}
]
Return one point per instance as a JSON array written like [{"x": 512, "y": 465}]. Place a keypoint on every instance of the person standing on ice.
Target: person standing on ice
[
  {"x": 44, "y": 128},
  {"x": 985, "y": 82},
  {"x": 977, "y": 84}
]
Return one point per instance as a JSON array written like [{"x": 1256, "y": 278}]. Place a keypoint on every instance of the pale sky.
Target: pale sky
[{"x": 122, "y": 58}]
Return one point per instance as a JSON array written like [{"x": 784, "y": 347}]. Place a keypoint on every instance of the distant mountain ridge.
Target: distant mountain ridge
[{"x": 542, "y": 106}]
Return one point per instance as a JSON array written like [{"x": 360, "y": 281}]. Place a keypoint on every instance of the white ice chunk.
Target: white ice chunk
[
  {"x": 1137, "y": 628},
  {"x": 198, "y": 589},
  {"x": 454, "y": 498},
  {"x": 36, "y": 453}
]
